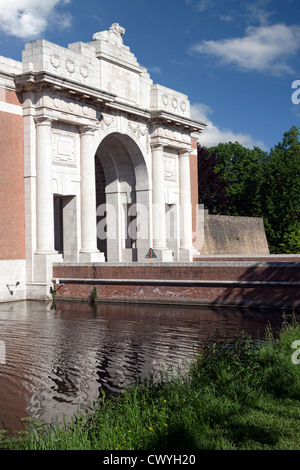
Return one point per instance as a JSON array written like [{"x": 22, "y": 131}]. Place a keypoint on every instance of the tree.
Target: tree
[
  {"x": 291, "y": 240},
  {"x": 281, "y": 194},
  {"x": 235, "y": 180},
  {"x": 211, "y": 182},
  {"x": 242, "y": 168}
]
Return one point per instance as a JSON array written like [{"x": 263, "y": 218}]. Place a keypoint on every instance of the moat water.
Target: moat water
[{"x": 54, "y": 361}]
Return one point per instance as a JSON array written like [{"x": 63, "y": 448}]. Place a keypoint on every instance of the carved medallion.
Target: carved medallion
[
  {"x": 71, "y": 106},
  {"x": 183, "y": 106},
  {"x": 57, "y": 102},
  {"x": 174, "y": 103},
  {"x": 70, "y": 65},
  {"x": 55, "y": 60},
  {"x": 84, "y": 71},
  {"x": 165, "y": 100}
]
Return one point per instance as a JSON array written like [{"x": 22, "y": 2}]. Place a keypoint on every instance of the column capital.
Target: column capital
[
  {"x": 185, "y": 152},
  {"x": 157, "y": 144},
  {"x": 87, "y": 129},
  {"x": 43, "y": 120}
]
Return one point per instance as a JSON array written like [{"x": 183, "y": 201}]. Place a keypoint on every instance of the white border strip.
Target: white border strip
[{"x": 11, "y": 108}]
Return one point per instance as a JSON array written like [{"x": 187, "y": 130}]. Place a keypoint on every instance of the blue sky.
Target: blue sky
[{"x": 235, "y": 60}]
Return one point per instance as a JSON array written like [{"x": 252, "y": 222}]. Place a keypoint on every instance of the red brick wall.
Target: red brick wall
[
  {"x": 11, "y": 97},
  {"x": 133, "y": 283},
  {"x": 284, "y": 273},
  {"x": 260, "y": 297},
  {"x": 12, "y": 216}
]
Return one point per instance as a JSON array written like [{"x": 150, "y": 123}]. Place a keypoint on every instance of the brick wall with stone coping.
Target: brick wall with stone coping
[{"x": 264, "y": 284}]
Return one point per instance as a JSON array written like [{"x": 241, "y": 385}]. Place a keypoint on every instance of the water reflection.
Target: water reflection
[{"x": 57, "y": 360}]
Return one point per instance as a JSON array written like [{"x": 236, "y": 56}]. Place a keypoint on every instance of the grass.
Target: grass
[{"x": 236, "y": 396}]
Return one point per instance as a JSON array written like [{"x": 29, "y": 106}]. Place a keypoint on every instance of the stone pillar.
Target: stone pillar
[
  {"x": 143, "y": 221},
  {"x": 44, "y": 187},
  {"x": 89, "y": 251},
  {"x": 45, "y": 254},
  {"x": 158, "y": 201},
  {"x": 113, "y": 226},
  {"x": 186, "y": 226}
]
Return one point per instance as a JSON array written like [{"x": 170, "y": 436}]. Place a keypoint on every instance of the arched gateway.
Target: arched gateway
[
  {"x": 109, "y": 158},
  {"x": 123, "y": 198}
]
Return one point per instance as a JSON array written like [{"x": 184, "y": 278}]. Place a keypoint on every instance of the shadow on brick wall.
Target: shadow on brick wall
[{"x": 276, "y": 286}]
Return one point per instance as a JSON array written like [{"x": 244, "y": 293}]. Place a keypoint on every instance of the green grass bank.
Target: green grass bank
[{"x": 238, "y": 395}]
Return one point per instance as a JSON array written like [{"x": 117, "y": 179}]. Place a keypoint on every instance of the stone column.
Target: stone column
[
  {"x": 89, "y": 251},
  {"x": 143, "y": 220},
  {"x": 158, "y": 201},
  {"x": 45, "y": 254},
  {"x": 44, "y": 186},
  {"x": 186, "y": 228}
]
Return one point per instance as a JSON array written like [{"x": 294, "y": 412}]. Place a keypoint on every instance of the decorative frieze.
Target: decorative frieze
[
  {"x": 173, "y": 104},
  {"x": 169, "y": 101},
  {"x": 137, "y": 129},
  {"x": 69, "y": 65},
  {"x": 141, "y": 131},
  {"x": 106, "y": 121},
  {"x": 172, "y": 134},
  {"x": 65, "y": 104}
]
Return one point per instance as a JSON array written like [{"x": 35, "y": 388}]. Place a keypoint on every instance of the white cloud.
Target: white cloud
[
  {"x": 155, "y": 69},
  {"x": 262, "y": 49},
  {"x": 212, "y": 135},
  {"x": 27, "y": 19},
  {"x": 202, "y": 5},
  {"x": 251, "y": 11},
  {"x": 257, "y": 13}
]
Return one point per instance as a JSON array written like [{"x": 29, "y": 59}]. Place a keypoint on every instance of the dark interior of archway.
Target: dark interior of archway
[
  {"x": 116, "y": 162},
  {"x": 100, "y": 202}
]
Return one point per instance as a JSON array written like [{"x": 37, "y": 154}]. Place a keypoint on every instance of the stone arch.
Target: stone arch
[
  {"x": 138, "y": 153},
  {"x": 124, "y": 218}
]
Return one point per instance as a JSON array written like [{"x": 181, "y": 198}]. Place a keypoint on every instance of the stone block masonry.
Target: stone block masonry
[
  {"x": 257, "y": 283},
  {"x": 234, "y": 235}
]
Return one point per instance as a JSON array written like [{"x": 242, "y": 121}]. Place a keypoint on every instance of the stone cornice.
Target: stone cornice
[
  {"x": 188, "y": 124},
  {"x": 130, "y": 109},
  {"x": 31, "y": 81}
]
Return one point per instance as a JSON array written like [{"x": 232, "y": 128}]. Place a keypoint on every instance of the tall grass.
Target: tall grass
[{"x": 237, "y": 395}]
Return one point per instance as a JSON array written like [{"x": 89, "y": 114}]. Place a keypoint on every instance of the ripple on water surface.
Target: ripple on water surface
[{"x": 56, "y": 360}]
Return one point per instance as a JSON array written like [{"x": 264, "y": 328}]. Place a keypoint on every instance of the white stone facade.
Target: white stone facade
[{"x": 106, "y": 158}]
